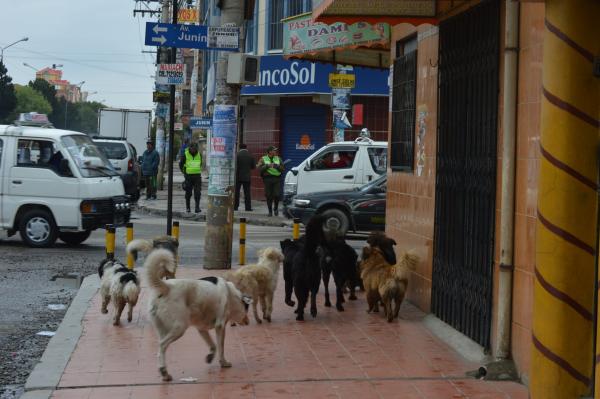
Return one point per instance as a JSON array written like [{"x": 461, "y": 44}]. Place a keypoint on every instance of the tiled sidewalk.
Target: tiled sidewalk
[{"x": 337, "y": 355}]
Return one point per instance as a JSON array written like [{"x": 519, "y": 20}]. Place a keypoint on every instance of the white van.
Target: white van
[
  {"x": 56, "y": 184},
  {"x": 337, "y": 166}
]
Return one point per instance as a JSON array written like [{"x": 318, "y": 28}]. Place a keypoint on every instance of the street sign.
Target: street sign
[
  {"x": 191, "y": 36},
  {"x": 187, "y": 15},
  {"x": 200, "y": 123},
  {"x": 170, "y": 74},
  {"x": 342, "y": 80},
  {"x": 160, "y": 97}
]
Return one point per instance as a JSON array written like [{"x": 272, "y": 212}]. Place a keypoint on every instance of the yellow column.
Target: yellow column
[
  {"x": 129, "y": 238},
  {"x": 109, "y": 238},
  {"x": 296, "y": 231},
  {"x": 563, "y": 321},
  {"x": 242, "y": 241}
]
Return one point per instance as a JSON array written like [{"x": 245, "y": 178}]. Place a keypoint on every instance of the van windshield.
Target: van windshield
[{"x": 89, "y": 159}]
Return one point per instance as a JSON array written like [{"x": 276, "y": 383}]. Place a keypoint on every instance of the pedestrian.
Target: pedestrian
[
  {"x": 191, "y": 166},
  {"x": 150, "y": 161},
  {"x": 271, "y": 167},
  {"x": 244, "y": 164}
]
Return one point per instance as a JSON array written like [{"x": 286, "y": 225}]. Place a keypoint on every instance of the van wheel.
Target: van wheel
[
  {"x": 74, "y": 238},
  {"x": 37, "y": 228},
  {"x": 335, "y": 218}
]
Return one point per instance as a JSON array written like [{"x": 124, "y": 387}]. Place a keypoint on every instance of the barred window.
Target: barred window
[
  {"x": 278, "y": 10},
  {"x": 404, "y": 105}
]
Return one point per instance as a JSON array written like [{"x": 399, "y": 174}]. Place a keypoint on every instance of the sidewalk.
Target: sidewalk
[
  {"x": 257, "y": 216},
  {"x": 340, "y": 355}
]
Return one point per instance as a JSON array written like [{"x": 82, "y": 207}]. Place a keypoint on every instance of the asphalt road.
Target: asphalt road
[{"x": 32, "y": 279}]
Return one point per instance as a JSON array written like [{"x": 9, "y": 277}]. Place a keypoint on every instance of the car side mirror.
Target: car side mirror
[{"x": 294, "y": 171}]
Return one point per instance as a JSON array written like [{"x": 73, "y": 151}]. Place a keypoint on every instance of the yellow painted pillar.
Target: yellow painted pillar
[
  {"x": 129, "y": 238},
  {"x": 296, "y": 230},
  {"x": 109, "y": 238},
  {"x": 563, "y": 321},
  {"x": 242, "y": 241}
]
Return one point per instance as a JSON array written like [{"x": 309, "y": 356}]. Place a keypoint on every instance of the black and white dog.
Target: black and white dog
[{"x": 119, "y": 284}]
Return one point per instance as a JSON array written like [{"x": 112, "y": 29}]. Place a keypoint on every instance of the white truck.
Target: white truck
[
  {"x": 56, "y": 184},
  {"x": 132, "y": 125}
]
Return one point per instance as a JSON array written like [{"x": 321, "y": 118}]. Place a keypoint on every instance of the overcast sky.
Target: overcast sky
[{"x": 96, "y": 41}]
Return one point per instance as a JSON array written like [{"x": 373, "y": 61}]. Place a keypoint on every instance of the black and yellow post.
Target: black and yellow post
[
  {"x": 110, "y": 241},
  {"x": 129, "y": 238},
  {"x": 296, "y": 231},
  {"x": 242, "y": 241}
]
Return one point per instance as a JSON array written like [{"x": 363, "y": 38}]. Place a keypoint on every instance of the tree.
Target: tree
[
  {"x": 49, "y": 93},
  {"x": 30, "y": 100},
  {"x": 8, "y": 99},
  {"x": 82, "y": 116}
]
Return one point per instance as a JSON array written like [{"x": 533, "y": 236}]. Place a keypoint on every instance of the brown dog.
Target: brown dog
[{"x": 374, "y": 270}]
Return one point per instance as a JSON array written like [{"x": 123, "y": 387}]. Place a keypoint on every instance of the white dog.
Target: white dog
[
  {"x": 119, "y": 284},
  {"x": 179, "y": 303},
  {"x": 259, "y": 280}
]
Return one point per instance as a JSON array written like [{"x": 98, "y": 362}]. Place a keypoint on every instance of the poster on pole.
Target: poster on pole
[
  {"x": 221, "y": 150},
  {"x": 224, "y": 37},
  {"x": 170, "y": 74}
]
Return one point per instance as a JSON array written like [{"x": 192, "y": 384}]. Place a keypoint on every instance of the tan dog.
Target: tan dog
[
  {"x": 374, "y": 270},
  {"x": 259, "y": 280}
]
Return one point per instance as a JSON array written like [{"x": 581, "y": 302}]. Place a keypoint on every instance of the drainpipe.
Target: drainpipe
[{"x": 507, "y": 210}]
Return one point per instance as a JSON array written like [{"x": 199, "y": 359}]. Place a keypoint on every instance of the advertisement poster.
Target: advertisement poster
[
  {"x": 340, "y": 98},
  {"x": 221, "y": 151}
]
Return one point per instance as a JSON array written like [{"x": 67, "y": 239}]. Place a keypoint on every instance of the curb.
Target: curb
[
  {"x": 47, "y": 373},
  {"x": 256, "y": 221}
]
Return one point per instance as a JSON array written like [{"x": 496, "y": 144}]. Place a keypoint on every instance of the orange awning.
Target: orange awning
[{"x": 393, "y": 12}]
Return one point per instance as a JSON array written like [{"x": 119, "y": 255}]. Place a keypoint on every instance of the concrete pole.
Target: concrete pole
[
  {"x": 564, "y": 289},
  {"x": 160, "y": 122},
  {"x": 219, "y": 215}
]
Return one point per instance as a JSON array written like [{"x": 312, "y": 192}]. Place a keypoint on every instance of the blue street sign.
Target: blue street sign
[
  {"x": 192, "y": 36},
  {"x": 200, "y": 123}
]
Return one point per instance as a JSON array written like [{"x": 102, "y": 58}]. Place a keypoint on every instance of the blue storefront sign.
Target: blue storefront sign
[
  {"x": 281, "y": 76},
  {"x": 200, "y": 123}
]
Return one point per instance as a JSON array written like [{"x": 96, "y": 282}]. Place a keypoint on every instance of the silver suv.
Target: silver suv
[{"x": 123, "y": 157}]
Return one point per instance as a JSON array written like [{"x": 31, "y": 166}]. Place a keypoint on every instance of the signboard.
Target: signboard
[
  {"x": 224, "y": 37},
  {"x": 281, "y": 76},
  {"x": 160, "y": 97},
  {"x": 200, "y": 123},
  {"x": 178, "y": 126},
  {"x": 162, "y": 88},
  {"x": 170, "y": 74},
  {"x": 340, "y": 98},
  {"x": 221, "y": 150},
  {"x": 186, "y": 36},
  {"x": 187, "y": 15},
  {"x": 162, "y": 110},
  {"x": 303, "y": 35},
  {"x": 342, "y": 80}
]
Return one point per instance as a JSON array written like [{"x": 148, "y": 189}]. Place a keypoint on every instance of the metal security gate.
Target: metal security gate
[{"x": 466, "y": 171}]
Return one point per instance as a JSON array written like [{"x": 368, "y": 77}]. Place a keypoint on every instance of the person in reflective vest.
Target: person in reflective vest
[
  {"x": 271, "y": 167},
  {"x": 191, "y": 166}
]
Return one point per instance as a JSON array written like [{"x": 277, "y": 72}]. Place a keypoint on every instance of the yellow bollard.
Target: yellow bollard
[
  {"x": 110, "y": 242},
  {"x": 242, "y": 241},
  {"x": 296, "y": 231},
  {"x": 129, "y": 238}
]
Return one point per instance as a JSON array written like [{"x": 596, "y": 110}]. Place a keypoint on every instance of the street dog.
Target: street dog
[
  {"x": 119, "y": 284},
  {"x": 142, "y": 245},
  {"x": 259, "y": 280},
  {"x": 290, "y": 248},
  {"x": 385, "y": 244},
  {"x": 373, "y": 270},
  {"x": 177, "y": 304},
  {"x": 339, "y": 258}
]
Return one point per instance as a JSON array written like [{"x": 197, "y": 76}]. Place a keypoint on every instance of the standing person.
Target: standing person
[
  {"x": 150, "y": 161},
  {"x": 244, "y": 164},
  {"x": 270, "y": 169},
  {"x": 191, "y": 166}
]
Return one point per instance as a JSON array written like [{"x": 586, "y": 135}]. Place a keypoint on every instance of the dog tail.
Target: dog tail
[
  {"x": 139, "y": 245},
  {"x": 409, "y": 260},
  {"x": 158, "y": 263}
]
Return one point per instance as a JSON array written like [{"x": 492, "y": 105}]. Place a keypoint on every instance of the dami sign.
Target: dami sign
[{"x": 281, "y": 76}]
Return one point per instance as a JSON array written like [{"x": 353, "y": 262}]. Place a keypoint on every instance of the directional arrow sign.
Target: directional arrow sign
[{"x": 191, "y": 36}]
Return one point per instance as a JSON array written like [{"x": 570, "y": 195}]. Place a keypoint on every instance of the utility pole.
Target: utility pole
[
  {"x": 160, "y": 122},
  {"x": 171, "y": 133},
  {"x": 219, "y": 216}
]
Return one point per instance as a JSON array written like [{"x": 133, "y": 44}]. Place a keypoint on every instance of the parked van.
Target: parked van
[
  {"x": 56, "y": 184},
  {"x": 337, "y": 166}
]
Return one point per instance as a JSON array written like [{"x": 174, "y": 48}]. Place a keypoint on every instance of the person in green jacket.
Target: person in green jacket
[
  {"x": 271, "y": 168},
  {"x": 191, "y": 166}
]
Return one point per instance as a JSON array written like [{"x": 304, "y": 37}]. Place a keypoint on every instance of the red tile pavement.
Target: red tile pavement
[{"x": 339, "y": 355}]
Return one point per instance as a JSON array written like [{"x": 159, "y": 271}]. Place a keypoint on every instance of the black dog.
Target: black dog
[
  {"x": 339, "y": 258},
  {"x": 385, "y": 244},
  {"x": 306, "y": 269},
  {"x": 290, "y": 248}
]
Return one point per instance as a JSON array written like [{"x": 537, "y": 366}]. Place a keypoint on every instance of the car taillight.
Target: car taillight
[{"x": 130, "y": 165}]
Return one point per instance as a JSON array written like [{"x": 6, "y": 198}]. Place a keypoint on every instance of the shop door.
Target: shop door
[
  {"x": 466, "y": 171},
  {"x": 303, "y": 132}
]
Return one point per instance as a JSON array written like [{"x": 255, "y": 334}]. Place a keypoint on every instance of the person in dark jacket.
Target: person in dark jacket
[
  {"x": 271, "y": 167},
  {"x": 243, "y": 166},
  {"x": 191, "y": 166},
  {"x": 150, "y": 161}
]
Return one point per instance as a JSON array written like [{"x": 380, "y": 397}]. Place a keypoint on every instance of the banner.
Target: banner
[{"x": 222, "y": 150}]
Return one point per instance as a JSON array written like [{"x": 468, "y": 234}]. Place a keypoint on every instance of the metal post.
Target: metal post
[
  {"x": 110, "y": 241},
  {"x": 296, "y": 231},
  {"x": 171, "y": 136},
  {"x": 129, "y": 238},
  {"x": 242, "y": 241}
]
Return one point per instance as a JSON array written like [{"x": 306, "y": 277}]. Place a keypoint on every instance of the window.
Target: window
[
  {"x": 335, "y": 159},
  {"x": 278, "y": 10},
  {"x": 251, "y": 30},
  {"x": 404, "y": 105},
  {"x": 378, "y": 158},
  {"x": 39, "y": 154},
  {"x": 112, "y": 150}
]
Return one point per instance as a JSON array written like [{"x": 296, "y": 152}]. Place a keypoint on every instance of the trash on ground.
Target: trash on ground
[
  {"x": 57, "y": 306},
  {"x": 46, "y": 333}
]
